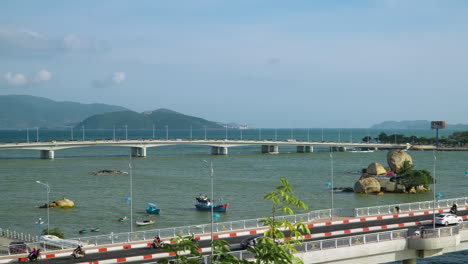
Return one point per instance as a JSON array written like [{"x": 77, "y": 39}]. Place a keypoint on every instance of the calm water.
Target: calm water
[{"x": 172, "y": 176}]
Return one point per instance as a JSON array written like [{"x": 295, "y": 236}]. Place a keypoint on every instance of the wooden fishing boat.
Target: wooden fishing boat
[
  {"x": 205, "y": 204},
  {"x": 145, "y": 222},
  {"x": 152, "y": 209}
]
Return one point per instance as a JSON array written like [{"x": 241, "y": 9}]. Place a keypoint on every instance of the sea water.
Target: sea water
[{"x": 172, "y": 176}]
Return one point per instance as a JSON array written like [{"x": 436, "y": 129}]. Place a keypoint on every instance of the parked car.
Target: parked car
[
  {"x": 447, "y": 219},
  {"x": 18, "y": 247}
]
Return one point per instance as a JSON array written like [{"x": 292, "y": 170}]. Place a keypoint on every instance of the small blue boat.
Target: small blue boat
[
  {"x": 205, "y": 204},
  {"x": 84, "y": 231},
  {"x": 152, "y": 209},
  {"x": 122, "y": 219}
]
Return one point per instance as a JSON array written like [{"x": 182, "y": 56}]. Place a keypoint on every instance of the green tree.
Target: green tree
[
  {"x": 180, "y": 245},
  {"x": 415, "y": 178},
  {"x": 273, "y": 248},
  {"x": 54, "y": 231}
]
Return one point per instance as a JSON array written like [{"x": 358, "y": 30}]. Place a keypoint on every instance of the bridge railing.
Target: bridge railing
[{"x": 409, "y": 207}]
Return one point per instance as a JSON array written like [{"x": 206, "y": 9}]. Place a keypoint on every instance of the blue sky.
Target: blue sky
[{"x": 337, "y": 64}]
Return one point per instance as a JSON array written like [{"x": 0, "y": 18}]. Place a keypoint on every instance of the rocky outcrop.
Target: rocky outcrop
[
  {"x": 376, "y": 169},
  {"x": 367, "y": 185},
  {"x": 62, "y": 203},
  {"x": 396, "y": 158}
]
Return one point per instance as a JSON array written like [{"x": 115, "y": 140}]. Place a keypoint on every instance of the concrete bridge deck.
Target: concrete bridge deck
[{"x": 218, "y": 147}]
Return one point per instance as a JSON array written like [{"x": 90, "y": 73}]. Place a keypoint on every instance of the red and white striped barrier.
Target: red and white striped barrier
[{"x": 250, "y": 232}]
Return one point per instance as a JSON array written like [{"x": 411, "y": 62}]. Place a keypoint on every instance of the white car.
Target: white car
[{"x": 447, "y": 219}]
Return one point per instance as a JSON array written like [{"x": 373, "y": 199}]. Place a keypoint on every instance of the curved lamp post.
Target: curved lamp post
[{"x": 48, "y": 215}]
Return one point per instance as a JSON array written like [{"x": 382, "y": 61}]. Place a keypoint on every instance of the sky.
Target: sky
[{"x": 264, "y": 63}]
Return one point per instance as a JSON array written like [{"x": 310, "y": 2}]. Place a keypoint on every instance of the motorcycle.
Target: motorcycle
[
  {"x": 78, "y": 253},
  {"x": 33, "y": 256}
]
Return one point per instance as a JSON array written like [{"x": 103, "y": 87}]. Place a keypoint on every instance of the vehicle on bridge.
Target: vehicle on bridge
[
  {"x": 206, "y": 204},
  {"x": 447, "y": 219}
]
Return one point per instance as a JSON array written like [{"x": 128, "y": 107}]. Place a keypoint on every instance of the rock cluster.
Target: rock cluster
[
  {"x": 62, "y": 203},
  {"x": 370, "y": 182}
]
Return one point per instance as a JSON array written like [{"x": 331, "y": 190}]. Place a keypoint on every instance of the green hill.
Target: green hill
[
  {"x": 159, "y": 118},
  {"x": 414, "y": 124},
  {"x": 24, "y": 111}
]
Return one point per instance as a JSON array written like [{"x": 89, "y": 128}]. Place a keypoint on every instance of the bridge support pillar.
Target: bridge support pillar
[
  {"x": 138, "y": 151},
  {"x": 305, "y": 149},
  {"x": 273, "y": 149},
  {"x": 47, "y": 154},
  {"x": 409, "y": 261},
  {"x": 219, "y": 150}
]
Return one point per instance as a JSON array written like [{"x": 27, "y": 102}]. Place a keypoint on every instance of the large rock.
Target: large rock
[
  {"x": 376, "y": 169},
  {"x": 367, "y": 185},
  {"x": 396, "y": 158},
  {"x": 62, "y": 203}
]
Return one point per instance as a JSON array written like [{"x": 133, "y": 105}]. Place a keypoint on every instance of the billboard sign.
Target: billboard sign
[{"x": 437, "y": 124}]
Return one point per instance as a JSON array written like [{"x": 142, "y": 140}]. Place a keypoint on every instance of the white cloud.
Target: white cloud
[
  {"x": 43, "y": 76},
  {"x": 15, "y": 79},
  {"x": 18, "y": 79},
  {"x": 115, "y": 78},
  {"x": 72, "y": 42},
  {"x": 118, "y": 77}
]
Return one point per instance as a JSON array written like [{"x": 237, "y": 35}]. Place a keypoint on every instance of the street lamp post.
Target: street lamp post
[
  {"x": 205, "y": 131},
  {"x": 332, "y": 204},
  {"x": 131, "y": 194},
  {"x": 37, "y": 134},
  {"x": 126, "y": 132},
  {"x": 434, "y": 188},
  {"x": 259, "y": 134},
  {"x": 113, "y": 132},
  {"x": 83, "y": 132},
  {"x": 167, "y": 132},
  {"x": 226, "y": 126},
  {"x": 71, "y": 133},
  {"x": 153, "y": 131},
  {"x": 212, "y": 204},
  {"x": 240, "y": 134},
  {"x": 27, "y": 135},
  {"x": 190, "y": 132},
  {"x": 48, "y": 215}
]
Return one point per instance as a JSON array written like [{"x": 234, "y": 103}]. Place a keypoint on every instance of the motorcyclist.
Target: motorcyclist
[
  {"x": 156, "y": 242},
  {"x": 453, "y": 210},
  {"x": 78, "y": 251},
  {"x": 34, "y": 254}
]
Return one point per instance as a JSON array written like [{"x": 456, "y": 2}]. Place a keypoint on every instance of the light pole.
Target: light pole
[
  {"x": 190, "y": 132},
  {"x": 126, "y": 132},
  {"x": 205, "y": 131},
  {"x": 434, "y": 187},
  {"x": 48, "y": 215},
  {"x": 113, "y": 132},
  {"x": 308, "y": 133},
  {"x": 226, "y": 131},
  {"x": 167, "y": 132},
  {"x": 259, "y": 134},
  {"x": 212, "y": 204},
  {"x": 240, "y": 134},
  {"x": 71, "y": 133},
  {"x": 131, "y": 194},
  {"x": 276, "y": 134},
  {"x": 153, "y": 131},
  {"x": 27, "y": 135},
  {"x": 37, "y": 134},
  {"x": 83, "y": 132},
  {"x": 332, "y": 205}
]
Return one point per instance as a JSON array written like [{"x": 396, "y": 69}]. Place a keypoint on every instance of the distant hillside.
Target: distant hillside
[
  {"x": 24, "y": 111},
  {"x": 415, "y": 124},
  {"x": 159, "y": 118}
]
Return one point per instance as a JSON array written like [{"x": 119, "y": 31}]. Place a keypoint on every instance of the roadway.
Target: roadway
[{"x": 318, "y": 233}]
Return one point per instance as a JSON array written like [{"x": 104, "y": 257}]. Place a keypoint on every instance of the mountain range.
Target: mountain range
[
  {"x": 415, "y": 124},
  {"x": 25, "y": 111}
]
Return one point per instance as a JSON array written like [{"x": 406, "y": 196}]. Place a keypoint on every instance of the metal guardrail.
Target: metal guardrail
[
  {"x": 204, "y": 229},
  {"x": 408, "y": 207}
]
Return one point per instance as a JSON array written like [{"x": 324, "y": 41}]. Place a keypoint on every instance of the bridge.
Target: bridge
[
  {"x": 376, "y": 234},
  {"x": 218, "y": 147}
]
